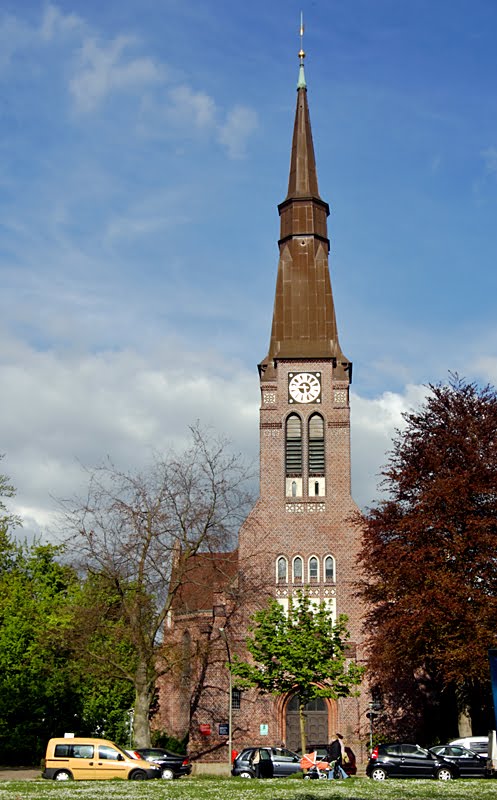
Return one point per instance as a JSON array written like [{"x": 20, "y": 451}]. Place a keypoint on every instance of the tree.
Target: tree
[
  {"x": 136, "y": 536},
  {"x": 37, "y": 692},
  {"x": 430, "y": 556},
  {"x": 7, "y": 519},
  {"x": 301, "y": 651}
]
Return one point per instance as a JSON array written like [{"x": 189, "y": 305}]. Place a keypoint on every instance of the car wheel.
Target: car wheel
[
  {"x": 444, "y": 774},
  {"x": 63, "y": 775},
  {"x": 138, "y": 775},
  {"x": 246, "y": 774},
  {"x": 379, "y": 774},
  {"x": 167, "y": 774}
]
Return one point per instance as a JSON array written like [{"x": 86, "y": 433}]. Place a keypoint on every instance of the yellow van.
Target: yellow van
[{"x": 84, "y": 758}]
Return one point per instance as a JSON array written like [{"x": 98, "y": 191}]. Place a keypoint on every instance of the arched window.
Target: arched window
[
  {"x": 329, "y": 569},
  {"x": 282, "y": 570},
  {"x": 297, "y": 570},
  {"x": 316, "y": 445},
  {"x": 313, "y": 569},
  {"x": 293, "y": 445}
]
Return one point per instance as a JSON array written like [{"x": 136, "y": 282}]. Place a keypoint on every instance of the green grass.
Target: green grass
[{"x": 238, "y": 789}]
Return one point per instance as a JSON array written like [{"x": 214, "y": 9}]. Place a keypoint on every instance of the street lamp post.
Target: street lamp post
[
  {"x": 373, "y": 712},
  {"x": 230, "y": 698}
]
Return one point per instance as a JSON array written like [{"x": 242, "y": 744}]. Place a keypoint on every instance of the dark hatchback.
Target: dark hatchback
[
  {"x": 469, "y": 764},
  {"x": 172, "y": 765},
  {"x": 408, "y": 761},
  {"x": 266, "y": 762}
]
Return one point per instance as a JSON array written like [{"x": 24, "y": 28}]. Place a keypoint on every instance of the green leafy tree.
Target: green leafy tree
[
  {"x": 301, "y": 651},
  {"x": 430, "y": 560},
  {"x": 37, "y": 694}
]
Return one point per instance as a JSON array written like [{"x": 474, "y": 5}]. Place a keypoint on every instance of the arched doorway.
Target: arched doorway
[{"x": 316, "y": 717}]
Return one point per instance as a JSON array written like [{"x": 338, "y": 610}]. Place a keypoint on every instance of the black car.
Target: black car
[
  {"x": 173, "y": 765},
  {"x": 266, "y": 762},
  {"x": 408, "y": 761},
  {"x": 469, "y": 764}
]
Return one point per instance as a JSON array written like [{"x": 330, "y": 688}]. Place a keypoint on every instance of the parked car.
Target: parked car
[
  {"x": 86, "y": 758},
  {"x": 478, "y": 744},
  {"x": 469, "y": 764},
  {"x": 265, "y": 762},
  {"x": 349, "y": 764},
  {"x": 172, "y": 765},
  {"x": 408, "y": 761}
]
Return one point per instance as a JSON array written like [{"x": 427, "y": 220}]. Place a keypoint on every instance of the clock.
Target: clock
[{"x": 304, "y": 387}]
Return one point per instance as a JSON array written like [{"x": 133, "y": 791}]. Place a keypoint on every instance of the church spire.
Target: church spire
[{"x": 304, "y": 323}]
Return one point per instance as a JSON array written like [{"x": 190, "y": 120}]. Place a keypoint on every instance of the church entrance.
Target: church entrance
[{"x": 316, "y": 722}]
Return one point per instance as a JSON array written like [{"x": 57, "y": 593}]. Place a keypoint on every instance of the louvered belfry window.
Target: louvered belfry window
[
  {"x": 316, "y": 445},
  {"x": 293, "y": 453}
]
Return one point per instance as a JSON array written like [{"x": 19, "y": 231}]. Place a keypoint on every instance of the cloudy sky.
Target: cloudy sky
[{"x": 144, "y": 147}]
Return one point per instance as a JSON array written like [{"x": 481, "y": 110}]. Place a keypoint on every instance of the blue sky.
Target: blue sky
[{"x": 144, "y": 147}]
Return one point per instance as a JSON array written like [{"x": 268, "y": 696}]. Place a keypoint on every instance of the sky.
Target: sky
[{"x": 144, "y": 147}]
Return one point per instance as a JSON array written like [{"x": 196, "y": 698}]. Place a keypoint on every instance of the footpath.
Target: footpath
[{"x": 19, "y": 774}]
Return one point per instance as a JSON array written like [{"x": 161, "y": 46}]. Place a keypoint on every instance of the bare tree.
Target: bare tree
[{"x": 136, "y": 536}]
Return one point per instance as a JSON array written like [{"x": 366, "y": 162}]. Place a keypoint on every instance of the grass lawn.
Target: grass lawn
[{"x": 203, "y": 788}]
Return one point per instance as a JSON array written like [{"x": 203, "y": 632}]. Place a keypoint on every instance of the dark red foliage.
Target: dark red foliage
[{"x": 430, "y": 551}]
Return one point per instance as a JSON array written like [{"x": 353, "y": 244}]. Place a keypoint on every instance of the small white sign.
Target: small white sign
[{"x": 264, "y": 729}]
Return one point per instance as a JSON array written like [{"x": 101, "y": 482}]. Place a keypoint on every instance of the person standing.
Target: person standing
[{"x": 336, "y": 752}]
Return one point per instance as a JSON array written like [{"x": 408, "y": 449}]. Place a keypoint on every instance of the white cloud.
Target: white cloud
[
  {"x": 61, "y": 411},
  {"x": 102, "y": 70},
  {"x": 193, "y": 114},
  {"x": 192, "y": 108},
  {"x": 55, "y": 23},
  {"x": 373, "y": 425},
  {"x": 240, "y": 124}
]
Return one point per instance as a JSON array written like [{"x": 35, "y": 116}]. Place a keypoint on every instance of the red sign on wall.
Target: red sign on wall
[{"x": 205, "y": 729}]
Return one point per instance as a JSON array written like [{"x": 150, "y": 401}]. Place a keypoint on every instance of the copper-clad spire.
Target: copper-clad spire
[
  {"x": 304, "y": 323},
  {"x": 303, "y": 180}
]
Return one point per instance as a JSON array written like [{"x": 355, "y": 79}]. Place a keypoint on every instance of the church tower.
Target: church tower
[{"x": 299, "y": 533}]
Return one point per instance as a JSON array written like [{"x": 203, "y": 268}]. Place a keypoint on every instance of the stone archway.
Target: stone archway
[{"x": 317, "y": 724}]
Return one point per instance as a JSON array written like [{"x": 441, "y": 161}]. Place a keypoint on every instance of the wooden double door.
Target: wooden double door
[{"x": 316, "y": 722}]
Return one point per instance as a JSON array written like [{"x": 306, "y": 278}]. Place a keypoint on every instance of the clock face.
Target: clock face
[{"x": 304, "y": 387}]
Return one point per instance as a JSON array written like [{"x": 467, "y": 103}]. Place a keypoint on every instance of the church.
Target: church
[{"x": 299, "y": 533}]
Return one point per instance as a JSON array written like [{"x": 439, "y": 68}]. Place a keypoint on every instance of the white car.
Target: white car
[{"x": 478, "y": 744}]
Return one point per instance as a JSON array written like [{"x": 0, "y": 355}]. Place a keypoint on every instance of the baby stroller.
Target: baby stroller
[{"x": 316, "y": 770}]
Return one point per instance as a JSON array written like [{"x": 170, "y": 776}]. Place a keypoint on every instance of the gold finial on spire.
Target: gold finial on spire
[{"x": 301, "y": 53}]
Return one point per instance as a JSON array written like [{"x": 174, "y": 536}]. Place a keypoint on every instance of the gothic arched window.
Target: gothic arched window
[
  {"x": 293, "y": 445},
  {"x": 282, "y": 570},
  {"x": 313, "y": 569},
  {"x": 316, "y": 445},
  {"x": 298, "y": 572},
  {"x": 329, "y": 569}
]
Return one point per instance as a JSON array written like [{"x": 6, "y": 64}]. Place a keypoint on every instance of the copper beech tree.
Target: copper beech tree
[
  {"x": 429, "y": 555},
  {"x": 135, "y": 537}
]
